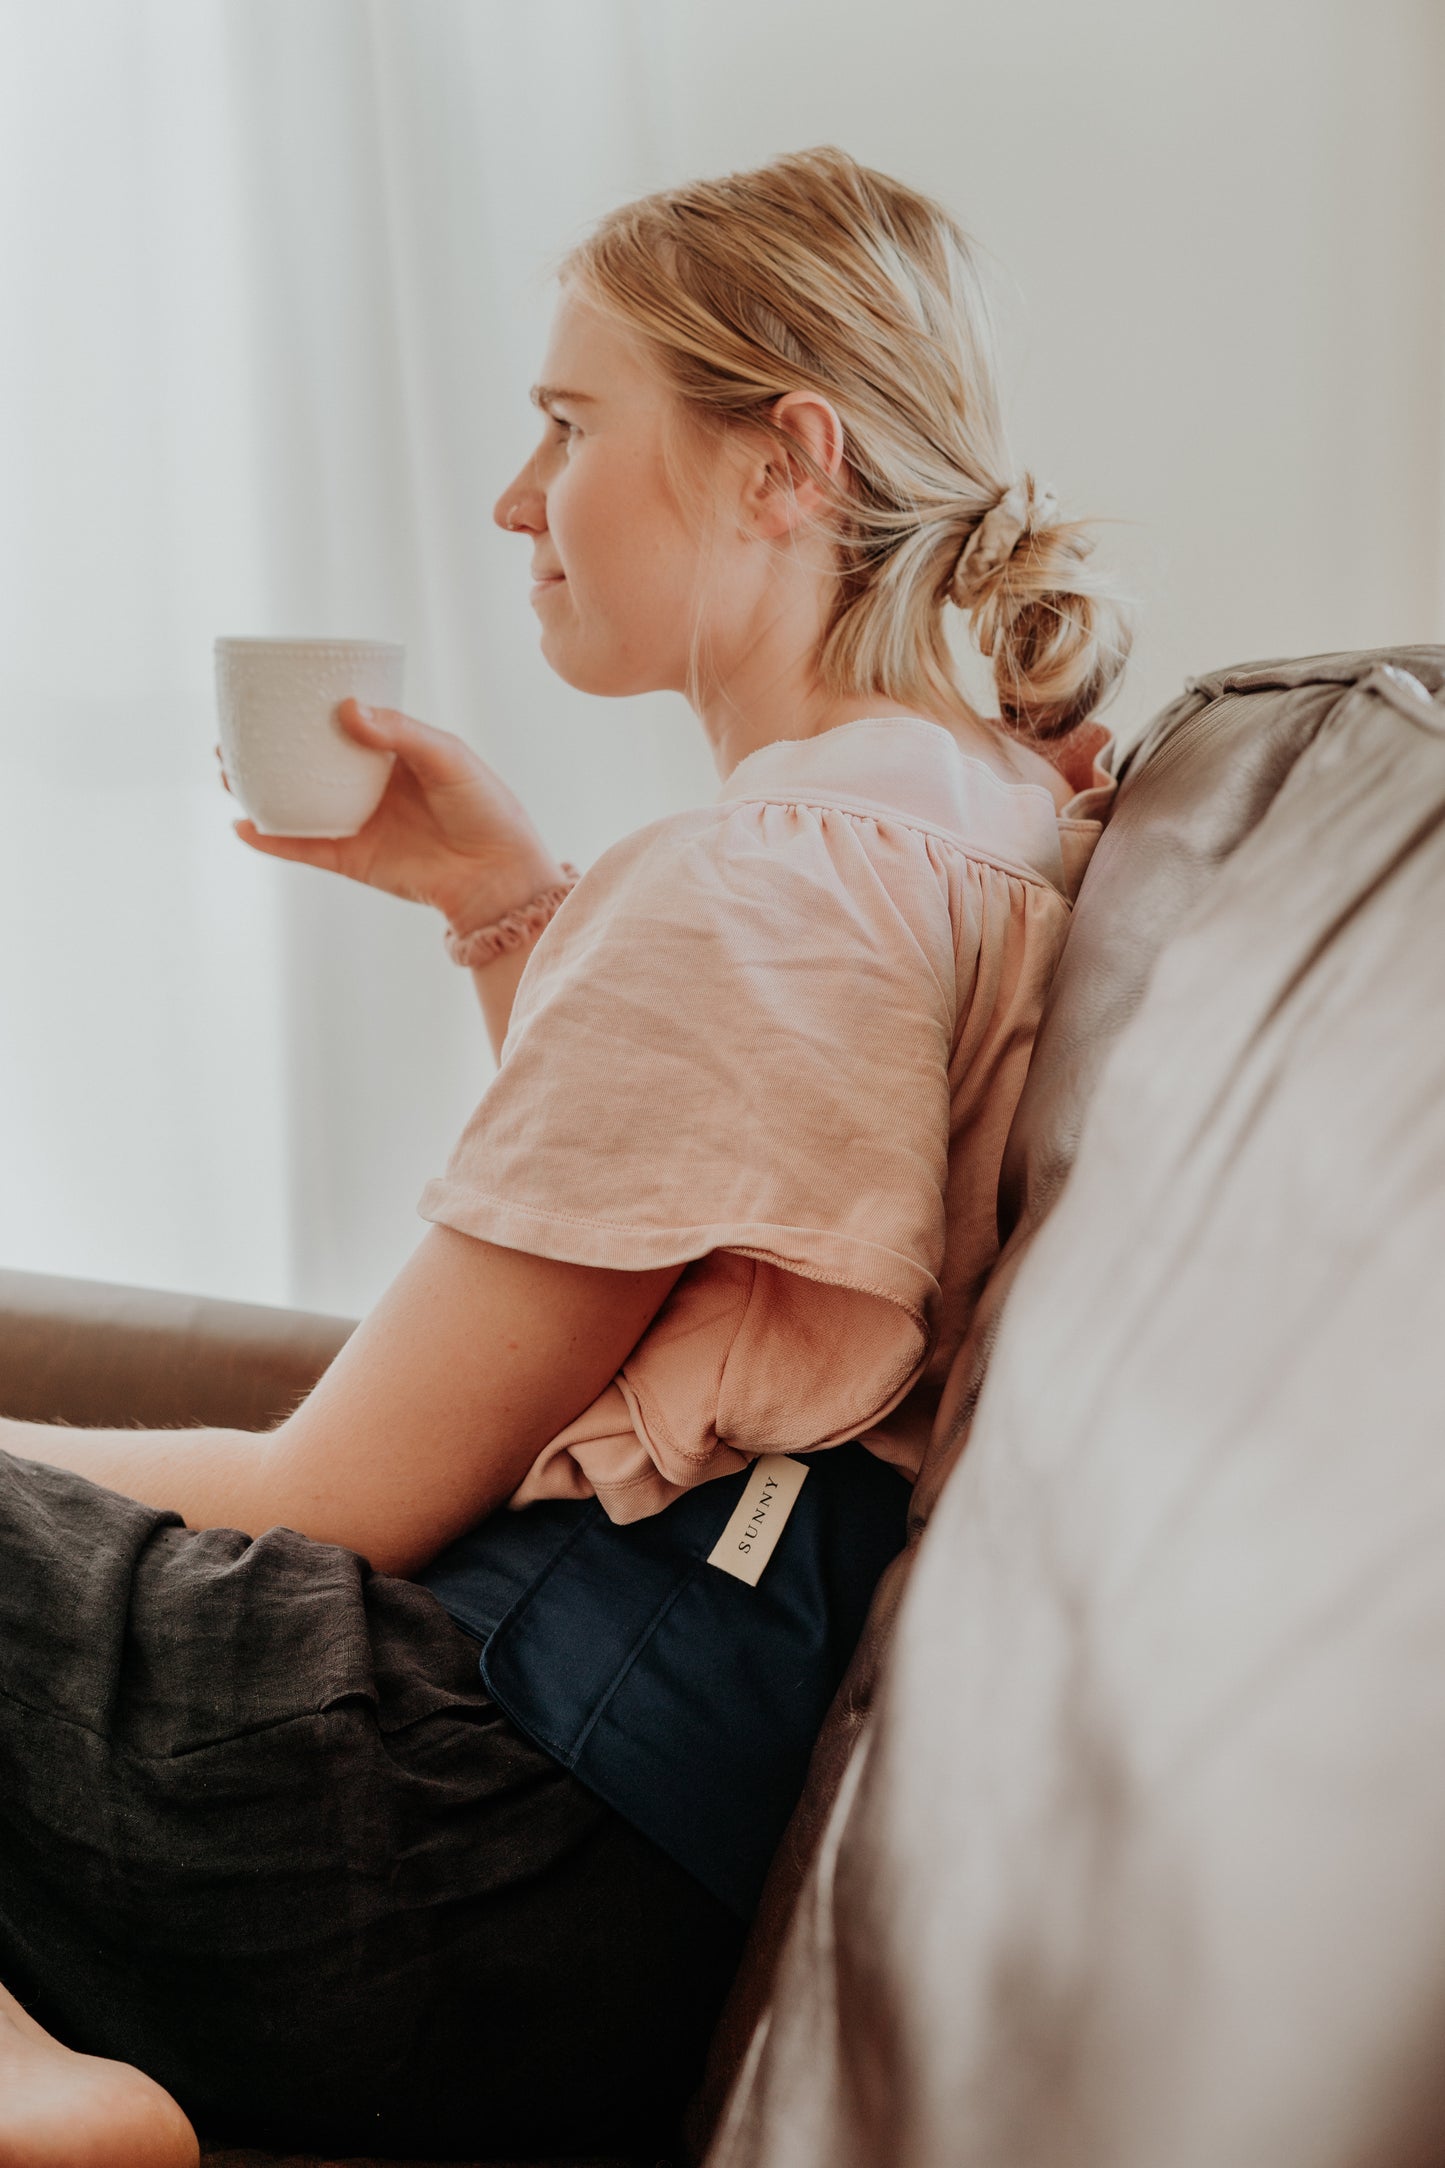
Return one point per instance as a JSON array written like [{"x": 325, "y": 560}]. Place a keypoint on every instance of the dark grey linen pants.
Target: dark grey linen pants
[{"x": 264, "y": 1834}]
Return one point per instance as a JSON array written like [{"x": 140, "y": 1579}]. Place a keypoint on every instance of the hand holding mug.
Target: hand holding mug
[{"x": 447, "y": 831}]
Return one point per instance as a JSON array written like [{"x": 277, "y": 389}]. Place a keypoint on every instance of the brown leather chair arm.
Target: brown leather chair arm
[{"x": 104, "y": 1356}]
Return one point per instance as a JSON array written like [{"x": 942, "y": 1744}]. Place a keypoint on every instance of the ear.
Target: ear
[{"x": 781, "y": 493}]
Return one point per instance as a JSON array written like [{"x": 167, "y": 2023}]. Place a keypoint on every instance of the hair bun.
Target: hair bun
[
  {"x": 1056, "y": 633},
  {"x": 1021, "y": 510}
]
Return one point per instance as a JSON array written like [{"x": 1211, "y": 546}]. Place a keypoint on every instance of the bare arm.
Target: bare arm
[
  {"x": 477, "y": 1355},
  {"x": 426, "y": 1420},
  {"x": 497, "y": 981},
  {"x": 496, "y": 985}
]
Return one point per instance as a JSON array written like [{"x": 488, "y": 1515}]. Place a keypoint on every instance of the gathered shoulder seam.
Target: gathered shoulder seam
[{"x": 960, "y": 847}]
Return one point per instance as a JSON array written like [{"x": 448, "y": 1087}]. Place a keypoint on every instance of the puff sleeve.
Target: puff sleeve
[{"x": 730, "y": 1048}]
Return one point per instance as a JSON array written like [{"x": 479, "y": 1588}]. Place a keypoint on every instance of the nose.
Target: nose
[{"x": 521, "y": 505}]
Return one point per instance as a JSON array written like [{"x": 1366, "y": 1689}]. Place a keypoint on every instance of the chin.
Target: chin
[{"x": 607, "y": 681}]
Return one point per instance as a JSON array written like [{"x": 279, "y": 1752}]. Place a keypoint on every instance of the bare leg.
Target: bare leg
[{"x": 63, "y": 2110}]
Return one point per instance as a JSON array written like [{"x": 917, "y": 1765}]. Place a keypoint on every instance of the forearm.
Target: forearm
[
  {"x": 496, "y": 983},
  {"x": 212, "y": 1478},
  {"x": 497, "y": 980}
]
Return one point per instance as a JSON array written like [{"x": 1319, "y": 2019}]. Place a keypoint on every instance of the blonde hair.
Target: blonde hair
[{"x": 816, "y": 273}]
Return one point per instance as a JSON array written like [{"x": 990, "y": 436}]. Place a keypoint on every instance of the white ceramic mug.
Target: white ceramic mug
[{"x": 286, "y": 756}]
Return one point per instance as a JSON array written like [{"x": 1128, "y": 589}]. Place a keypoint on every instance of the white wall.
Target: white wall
[
  {"x": 1224, "y": 227},
  {"x": 273, "y": 302}
]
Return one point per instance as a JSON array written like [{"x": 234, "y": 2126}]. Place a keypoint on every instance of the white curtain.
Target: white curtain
[{"x": 274, "y": 288}]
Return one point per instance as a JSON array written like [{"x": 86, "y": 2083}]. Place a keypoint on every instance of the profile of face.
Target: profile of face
[
  {"x": 623, "y": 567},
  {"x": 614, "y": 555}
]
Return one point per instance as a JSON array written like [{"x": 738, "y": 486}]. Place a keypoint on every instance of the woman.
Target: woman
[{"x": 341, "y": 1805}]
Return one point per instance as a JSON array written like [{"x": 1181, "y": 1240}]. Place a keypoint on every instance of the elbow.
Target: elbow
[
  {"x": 401, "y": 1561},
  {"x": 349, "y": 1520}
]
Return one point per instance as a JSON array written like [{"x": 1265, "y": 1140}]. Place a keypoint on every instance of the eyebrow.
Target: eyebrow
[{"x": 542, "y": 395}]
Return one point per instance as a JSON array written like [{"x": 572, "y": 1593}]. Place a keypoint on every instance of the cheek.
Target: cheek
[
  {"x": 620, "y": 536},
  {"x": 623, "y": 539},
  {"x": 579, "y": 517}
]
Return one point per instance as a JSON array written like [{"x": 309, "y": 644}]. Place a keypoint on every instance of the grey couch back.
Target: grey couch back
[
  {"x": 1135, "y": 1857},
  {"x": 1192, "y": 789}
]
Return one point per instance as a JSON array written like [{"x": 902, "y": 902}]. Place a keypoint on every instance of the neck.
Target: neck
[{"x": 763, "y": 687}]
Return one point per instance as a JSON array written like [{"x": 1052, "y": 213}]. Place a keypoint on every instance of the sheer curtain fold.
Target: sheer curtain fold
[
  {"x": 271, "y": 323},
  {"x": 275, "y": 285}
]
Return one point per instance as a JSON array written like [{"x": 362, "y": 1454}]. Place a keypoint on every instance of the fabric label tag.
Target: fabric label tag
[{"x": 751, "y": 1535}]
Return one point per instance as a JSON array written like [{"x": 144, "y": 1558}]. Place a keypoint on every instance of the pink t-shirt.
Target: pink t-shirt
[{"x": 780, "y": 1037}]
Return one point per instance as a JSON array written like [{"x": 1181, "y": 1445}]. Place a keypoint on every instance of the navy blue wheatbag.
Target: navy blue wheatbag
[{"x": 686, "y": 1699}]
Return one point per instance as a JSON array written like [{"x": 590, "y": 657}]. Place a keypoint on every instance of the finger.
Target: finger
[
  {"x": 433, "y": 756},
  {"x": 303, "y": 850}
]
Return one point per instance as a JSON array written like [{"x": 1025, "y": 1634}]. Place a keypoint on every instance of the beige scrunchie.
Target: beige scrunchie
[{"x": 996, "y": 537}]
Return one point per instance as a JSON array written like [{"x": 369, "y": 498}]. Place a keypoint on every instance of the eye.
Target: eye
[{"x": 561, "y": 422}]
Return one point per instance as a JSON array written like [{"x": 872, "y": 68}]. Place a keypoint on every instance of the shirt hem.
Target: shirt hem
[{"x": 574, "y": 1238}]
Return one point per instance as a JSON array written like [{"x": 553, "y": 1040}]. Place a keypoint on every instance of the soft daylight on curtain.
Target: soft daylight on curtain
[{"x": 275, "y": 289}]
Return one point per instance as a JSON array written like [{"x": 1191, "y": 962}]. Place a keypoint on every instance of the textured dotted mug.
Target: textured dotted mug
[{"x": 286, "y": 756}]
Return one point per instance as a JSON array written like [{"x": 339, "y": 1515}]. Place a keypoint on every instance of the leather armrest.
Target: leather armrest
[{"x": 98, "y": 1355}]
